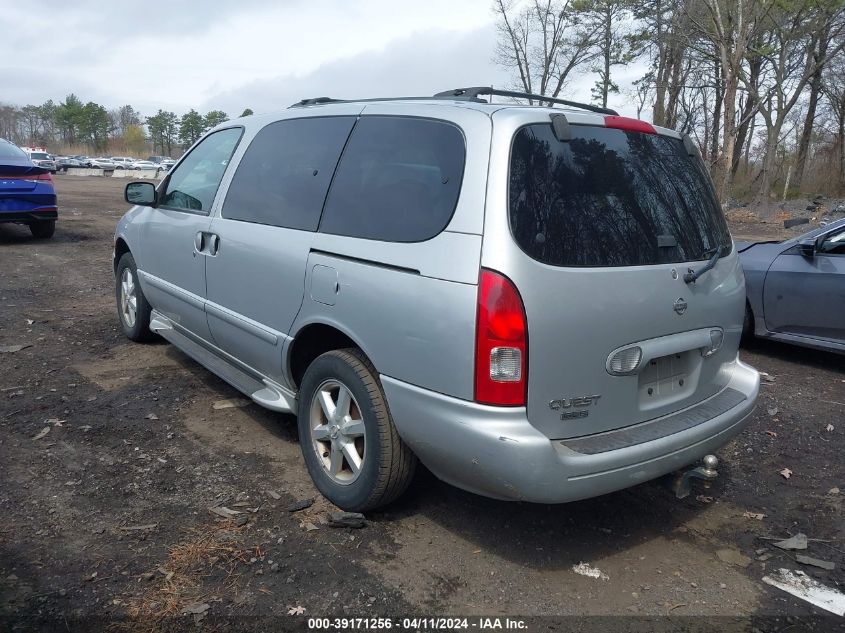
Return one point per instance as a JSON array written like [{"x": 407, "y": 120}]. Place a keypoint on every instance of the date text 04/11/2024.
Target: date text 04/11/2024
[{"x": 417, "y": 623}]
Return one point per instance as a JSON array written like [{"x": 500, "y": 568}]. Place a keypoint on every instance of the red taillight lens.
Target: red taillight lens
[
  {"x": 45, "y": 176},
  {"x": 628, "y": 124},
  {"x": 501, "y": 352}
]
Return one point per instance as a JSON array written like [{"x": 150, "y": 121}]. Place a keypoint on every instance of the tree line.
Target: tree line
[
  {"x": 757, "y": 83},
  {"x": 73, "y": 124}
]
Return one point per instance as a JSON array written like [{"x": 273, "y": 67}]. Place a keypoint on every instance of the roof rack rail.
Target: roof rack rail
[
  {"x": 315, "y": 101},
  {"x": 472, "y": 94}
]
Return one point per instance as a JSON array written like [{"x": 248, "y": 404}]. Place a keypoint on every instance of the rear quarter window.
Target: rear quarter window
[
  {"x": 398, "y": 180},
  {"x": 610, "y": 197}
]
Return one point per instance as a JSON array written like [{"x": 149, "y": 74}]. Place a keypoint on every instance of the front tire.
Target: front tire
[
  {"x": 133, "y": 310},
  {"x": 43, "y": 229},
  {"x": 351, "y": 448}
]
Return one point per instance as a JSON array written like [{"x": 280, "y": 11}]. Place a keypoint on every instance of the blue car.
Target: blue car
[
  {"x": 27, "y": 195},
  {"x": 796, "y": 288}
]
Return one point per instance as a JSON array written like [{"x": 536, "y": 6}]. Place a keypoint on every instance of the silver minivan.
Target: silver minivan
[{"x": 538, "y": 303}]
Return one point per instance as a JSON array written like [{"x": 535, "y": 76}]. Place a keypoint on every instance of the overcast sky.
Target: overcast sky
[{"x": 234, "y": 54}]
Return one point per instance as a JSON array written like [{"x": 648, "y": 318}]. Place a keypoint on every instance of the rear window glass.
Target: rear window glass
[
  {"x": 284, "y": 175},
  {"x": 398, "y": 180},
  {"x": 39, "y": 156},
  {"x": 7, "y": 150},
  {"x": 611, "y": 198}
]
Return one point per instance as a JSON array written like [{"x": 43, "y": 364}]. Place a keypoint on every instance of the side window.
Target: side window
[
  {"x": 398, "y": 180},
  {"x": 834, "y": 244},
  {"x": 285, "y": 172},
  {"x": 193, "y": 185}
]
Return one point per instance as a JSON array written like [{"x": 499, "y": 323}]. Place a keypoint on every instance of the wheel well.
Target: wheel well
[
  {"x": 120, "y": 248},
  {"x": 748, "y": 326},
  {"x": 311, "y": 342}
]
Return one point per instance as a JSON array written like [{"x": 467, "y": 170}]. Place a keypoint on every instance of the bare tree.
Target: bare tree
[
  {"x": 543, "y": 43},
  {"x": 791, "y": 60},
  {"x": 730, "y": 25},
  {"x": 819, "y": 55}
]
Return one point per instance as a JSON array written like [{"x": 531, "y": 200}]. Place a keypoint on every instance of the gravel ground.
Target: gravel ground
[{"x": 115, "y": 467}]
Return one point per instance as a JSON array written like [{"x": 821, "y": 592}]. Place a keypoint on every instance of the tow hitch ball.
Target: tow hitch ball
[{"x": 682, "y": 485}]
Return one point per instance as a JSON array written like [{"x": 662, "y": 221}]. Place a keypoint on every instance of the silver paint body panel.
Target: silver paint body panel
[{"x": 411, "y": 307}]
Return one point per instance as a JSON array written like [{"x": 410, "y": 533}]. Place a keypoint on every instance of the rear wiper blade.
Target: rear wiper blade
[{"x": 691, "y": 276}]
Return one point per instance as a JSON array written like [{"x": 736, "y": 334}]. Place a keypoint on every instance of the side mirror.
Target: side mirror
[
  {"x": 807, "y": 247},
  {"x": 141, "y": 193}
]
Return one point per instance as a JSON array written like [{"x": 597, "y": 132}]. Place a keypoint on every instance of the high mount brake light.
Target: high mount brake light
[
  {"x": 628, "y": 124},
  {"x": 501, "y": 351}
]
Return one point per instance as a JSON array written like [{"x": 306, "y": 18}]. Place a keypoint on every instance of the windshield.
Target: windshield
[
  {"x": 38, "y": 156},
  {"x": 611, "y": 198}
]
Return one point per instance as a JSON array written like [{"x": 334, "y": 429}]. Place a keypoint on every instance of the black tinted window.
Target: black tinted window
[
  {"x": 398, "y": 180},
  {"x": 611, "y": 198},
  {"x": 193, "y": 185},
  {"x": 284, "y": 175},
  {"x": 7, "y": 150}
]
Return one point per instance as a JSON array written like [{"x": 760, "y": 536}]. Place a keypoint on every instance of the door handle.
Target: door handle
[{"x": 206, "y": 243}]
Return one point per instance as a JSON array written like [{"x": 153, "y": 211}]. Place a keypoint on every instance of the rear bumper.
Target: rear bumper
[
  {"x": 496, "y": 452},
  {"x": 38, "y": 214}
]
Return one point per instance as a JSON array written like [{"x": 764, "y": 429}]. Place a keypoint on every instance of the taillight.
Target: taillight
[
  {"x": 501, "y": 351},
  {"x": 628, "y": 124},
  {"x": 45, "y": 176}
]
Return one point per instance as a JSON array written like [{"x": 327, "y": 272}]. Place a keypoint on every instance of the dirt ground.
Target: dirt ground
[{"x": 115, "y": 464}]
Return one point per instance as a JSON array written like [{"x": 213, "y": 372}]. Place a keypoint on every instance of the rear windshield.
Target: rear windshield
[
  {"x": 39, "y": 156},
  {"x": 609, "y": 197},
  {"x": 7, "y": 150}
]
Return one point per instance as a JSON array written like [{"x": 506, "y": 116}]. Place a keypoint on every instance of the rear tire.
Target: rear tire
[
  {"x": 43, "y": 229},
  {"x": 351, "y": 448},
  {"x": 133, "y": 310}
]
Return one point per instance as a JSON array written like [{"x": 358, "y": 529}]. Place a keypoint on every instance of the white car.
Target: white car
[
  {"x": 123, "y": 162},
  {"x": 145, "y": 165}
]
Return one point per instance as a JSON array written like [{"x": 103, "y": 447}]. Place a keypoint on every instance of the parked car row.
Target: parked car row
[{"x": 115, "y": 162}]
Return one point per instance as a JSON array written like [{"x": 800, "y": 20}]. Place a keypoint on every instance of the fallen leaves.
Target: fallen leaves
[
  {"x": 297, "y": 610},
  {"x": 754, "y": 515},
  {"x": 829, "y": 428},
  {"x": 786, "y": 473}
]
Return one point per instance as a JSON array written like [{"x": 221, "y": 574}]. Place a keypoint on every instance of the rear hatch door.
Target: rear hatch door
[{"x": 602, "y": 229}]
